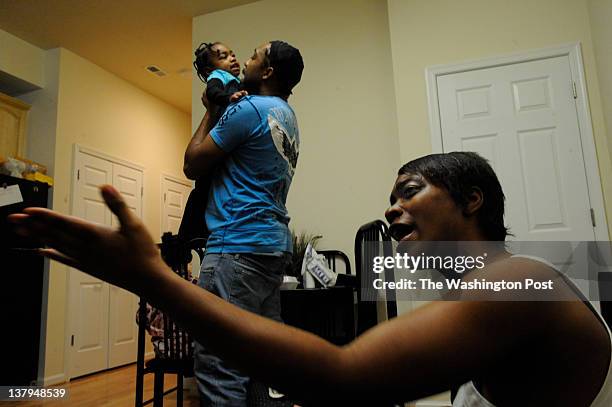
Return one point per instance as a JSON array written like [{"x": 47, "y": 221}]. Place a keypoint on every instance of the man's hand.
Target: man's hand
[
  {"x": 126, "y": 257},
  {"x": 237, "y": 95}
]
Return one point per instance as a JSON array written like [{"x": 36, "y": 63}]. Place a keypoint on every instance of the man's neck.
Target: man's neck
[{"x": 270, "y": 91}]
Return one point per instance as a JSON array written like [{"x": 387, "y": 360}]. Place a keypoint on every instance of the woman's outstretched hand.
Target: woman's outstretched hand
[{"x": 126, "y": 257}]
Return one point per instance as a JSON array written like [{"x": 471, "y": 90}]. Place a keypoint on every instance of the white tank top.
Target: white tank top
[{"x": 469, "y": 396}]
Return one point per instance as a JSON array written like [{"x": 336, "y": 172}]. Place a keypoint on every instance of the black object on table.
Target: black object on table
[{"x": 21, "y": 289}]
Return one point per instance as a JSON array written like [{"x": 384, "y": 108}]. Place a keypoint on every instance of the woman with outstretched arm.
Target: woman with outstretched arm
[{"x": 503, "y": 353}]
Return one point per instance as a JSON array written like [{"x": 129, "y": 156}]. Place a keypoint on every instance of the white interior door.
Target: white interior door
[
  {"x": 174, "y": 197},
  {"x": 122, "y": 329},
  {"x": 522, "y": 118},
  {"x": 103, "y": 332},
  {"x": 89, "y": 297}
]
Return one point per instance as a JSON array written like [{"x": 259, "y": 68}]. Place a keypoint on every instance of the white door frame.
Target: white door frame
[
  {"x": 574, "y": 53},
  {"x": 173, "y": 178},
  {"x": 77, "y": 148}
]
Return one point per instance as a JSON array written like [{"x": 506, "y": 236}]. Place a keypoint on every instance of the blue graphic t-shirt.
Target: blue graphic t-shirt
[{"x": 246, "y": 208}]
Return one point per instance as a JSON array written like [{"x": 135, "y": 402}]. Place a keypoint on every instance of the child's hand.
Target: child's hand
[{"x": 237, "y": 95}]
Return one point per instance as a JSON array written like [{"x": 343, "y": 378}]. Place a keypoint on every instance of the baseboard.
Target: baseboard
[{"x": 55, "y": 379}]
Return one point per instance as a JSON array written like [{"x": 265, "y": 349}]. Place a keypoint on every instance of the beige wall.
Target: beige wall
[
  {"x": 42, "y": 117},
  {"x": 97, "y": 110},
  {"x": 432, "y": 32},
  {"x": 21, "y": 59},
  {"x": 345, "y": 105},
  {"x": 600, "y": 13}
]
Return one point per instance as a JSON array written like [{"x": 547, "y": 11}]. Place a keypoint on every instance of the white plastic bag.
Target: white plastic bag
[{"x": 315, "y": 265}]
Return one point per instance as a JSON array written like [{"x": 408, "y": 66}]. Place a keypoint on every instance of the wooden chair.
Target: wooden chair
[{"x": 174, "y": 354}]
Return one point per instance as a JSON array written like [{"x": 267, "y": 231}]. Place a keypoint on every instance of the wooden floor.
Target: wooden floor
[{"x": 112, "y": 388}]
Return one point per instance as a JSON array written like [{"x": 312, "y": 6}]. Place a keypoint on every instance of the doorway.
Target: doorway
[{"x": 102, "y": 331}]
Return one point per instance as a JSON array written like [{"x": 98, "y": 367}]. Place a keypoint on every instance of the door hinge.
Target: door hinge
[
  {"x": 72, "y": 340},
  {"x": 574, "y": 90},
  {"x": 593, "y": 217}
]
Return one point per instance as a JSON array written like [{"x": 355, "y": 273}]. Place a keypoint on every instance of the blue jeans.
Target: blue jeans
[{"x": 252, "y": 282}]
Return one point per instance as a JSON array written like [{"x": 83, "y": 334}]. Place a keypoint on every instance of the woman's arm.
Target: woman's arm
[{"x": 440, "y": 345}]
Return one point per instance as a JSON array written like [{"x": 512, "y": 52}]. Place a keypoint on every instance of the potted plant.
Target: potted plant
[{"x": 300, "y": 242}]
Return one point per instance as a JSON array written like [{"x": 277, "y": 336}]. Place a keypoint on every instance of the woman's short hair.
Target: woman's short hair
[{"x": 459, "y": 172}]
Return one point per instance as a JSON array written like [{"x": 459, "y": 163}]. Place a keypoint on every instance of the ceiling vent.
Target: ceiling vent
[
  {"x": 184, "y": 72},
  {"x": 156, "y": 70}
]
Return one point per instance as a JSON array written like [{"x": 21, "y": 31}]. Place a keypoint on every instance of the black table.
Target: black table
[{"x": 327, "y": 312}]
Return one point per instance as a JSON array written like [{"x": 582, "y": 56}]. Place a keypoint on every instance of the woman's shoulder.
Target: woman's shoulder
[
  {"x": 522, "y": 278},
  {"x": 525, "y": 289},
  {"x": 537, "y": 293}
]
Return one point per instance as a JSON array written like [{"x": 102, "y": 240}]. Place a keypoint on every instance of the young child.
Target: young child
[{"x": 218, "y": 68}]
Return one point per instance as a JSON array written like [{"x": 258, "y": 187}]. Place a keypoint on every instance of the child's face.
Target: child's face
[{"x": 224, "y": 58}]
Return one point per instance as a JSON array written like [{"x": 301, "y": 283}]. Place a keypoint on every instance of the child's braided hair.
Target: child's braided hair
[{"x": 202, "y": 62}]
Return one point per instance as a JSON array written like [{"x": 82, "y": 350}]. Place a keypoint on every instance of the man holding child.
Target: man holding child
[{"x": 250, "y": 155}]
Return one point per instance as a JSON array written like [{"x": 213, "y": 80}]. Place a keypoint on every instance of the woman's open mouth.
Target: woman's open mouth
[{"x": 402, "y": 231}]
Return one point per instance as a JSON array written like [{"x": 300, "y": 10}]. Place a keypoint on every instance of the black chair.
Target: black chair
[
  {"x": 175, "y": 354},
  {"x": 605, "y": 295},
  {"x": 371, "y": 240},
  {"x": 333, "y": 257}
]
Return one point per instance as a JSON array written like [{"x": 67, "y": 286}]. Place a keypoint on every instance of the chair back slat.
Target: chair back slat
[
  {"x": 371, "y": 240},
  {"x": 332, "y": 256}
]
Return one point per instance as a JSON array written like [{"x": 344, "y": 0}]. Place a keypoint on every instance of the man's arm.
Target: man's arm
[{"x": 202, "y": 154}]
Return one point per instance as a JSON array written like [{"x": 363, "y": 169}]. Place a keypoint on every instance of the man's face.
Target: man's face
[{"x": 255, "y": 68}]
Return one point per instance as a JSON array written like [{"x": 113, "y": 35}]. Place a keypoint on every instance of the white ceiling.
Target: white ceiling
[{"x": 123, "y": 37}]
